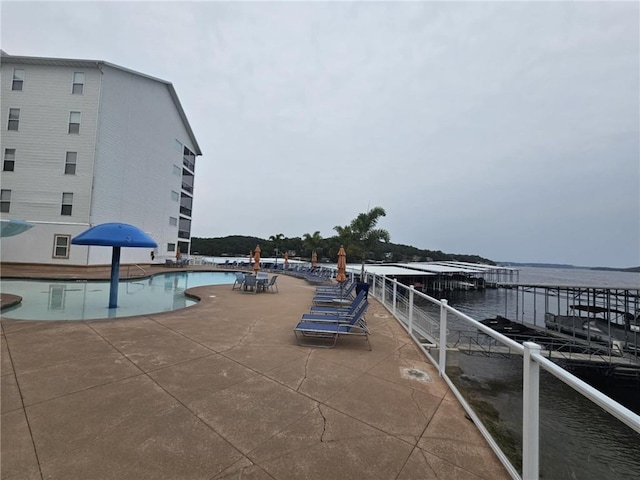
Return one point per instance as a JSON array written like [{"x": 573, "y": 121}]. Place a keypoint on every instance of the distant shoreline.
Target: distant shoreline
[{"x": 560, "y": 265}]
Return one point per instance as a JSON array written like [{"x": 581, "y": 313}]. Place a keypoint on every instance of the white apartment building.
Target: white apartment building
[{"x": 86, "y": 142}]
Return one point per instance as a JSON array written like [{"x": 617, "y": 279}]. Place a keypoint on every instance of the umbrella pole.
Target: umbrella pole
[{"x": 115, "y": 277}]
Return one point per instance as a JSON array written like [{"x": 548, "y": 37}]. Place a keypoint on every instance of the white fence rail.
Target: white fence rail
[{"x": 430, "y": 332}]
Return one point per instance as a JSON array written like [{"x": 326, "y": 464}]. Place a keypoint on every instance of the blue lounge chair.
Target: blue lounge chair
[
  {"x": 330, "y": 329},
  {"x": 357, "y": 313},
  {"x": 339, "y": 309},
  {"x": 347, "y": 293},
  {"x": 334, "y": 287}
]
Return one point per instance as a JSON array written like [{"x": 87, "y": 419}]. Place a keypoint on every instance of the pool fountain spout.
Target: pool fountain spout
[{"x": 115, "y": 235}]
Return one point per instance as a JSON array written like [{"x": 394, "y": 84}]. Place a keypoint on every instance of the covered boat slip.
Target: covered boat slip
[
  {"x": 441, "y": 276},
  {"x": 599, "y": 315},
  {"x": 424, "y": 276}
]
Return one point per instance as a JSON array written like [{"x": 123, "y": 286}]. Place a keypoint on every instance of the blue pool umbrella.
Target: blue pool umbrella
[
  {"x": 114, "y": 235},
  {"x": 14, "y": 227}
]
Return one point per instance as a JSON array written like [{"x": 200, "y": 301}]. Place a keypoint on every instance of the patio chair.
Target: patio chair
[
  {"x": 250, "y": 284},
  {"x": 239, "y": 281},
  {"x": 272, "y": 284},
  {"x": 262, "y": 279},
  {"x": 330, "y": 329}
]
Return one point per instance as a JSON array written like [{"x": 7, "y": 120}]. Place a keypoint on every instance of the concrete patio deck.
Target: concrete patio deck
[{"x": 221, "y": 390}]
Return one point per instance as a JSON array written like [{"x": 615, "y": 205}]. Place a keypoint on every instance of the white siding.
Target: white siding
[
  {"x": 36, "y": 245},
  {"x": 135, "y": 155},
  {"x": 126, "y": 156},
  {"x": 41, "y": 143}
]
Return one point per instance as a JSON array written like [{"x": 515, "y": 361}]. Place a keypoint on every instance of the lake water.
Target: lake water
[{"x": 578, "y": 440}]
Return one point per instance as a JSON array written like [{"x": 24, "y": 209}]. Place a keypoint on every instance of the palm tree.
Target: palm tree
[
  {"x": 312, "y": 242},
  {"x": 276, "y": 240},
  {"x": 361, "y": 235}
]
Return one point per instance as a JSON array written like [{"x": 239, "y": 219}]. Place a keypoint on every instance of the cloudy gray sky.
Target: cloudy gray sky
[{"x": 507, "y": 130}]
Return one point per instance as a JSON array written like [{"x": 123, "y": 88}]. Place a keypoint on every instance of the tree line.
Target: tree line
[
  {"x": 361, "y": 238},
  {"x": 327, "y": 250}
]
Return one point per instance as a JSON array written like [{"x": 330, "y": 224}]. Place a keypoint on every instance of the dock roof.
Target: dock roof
[
  {"x": 390, "y": 270},
  {"x": 436, "y": 268}
]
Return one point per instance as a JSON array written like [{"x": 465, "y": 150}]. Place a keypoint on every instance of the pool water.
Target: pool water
[{"x": 85, "y": 300}]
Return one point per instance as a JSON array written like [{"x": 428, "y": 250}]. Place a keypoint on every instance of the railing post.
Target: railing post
[
  {"x": 530, "y": 412},
  {"x": 443, "y": 337},
  {"x": 411, "y": 291},
  {"x": 395, "y": 296},
  {"x": 373, "y": 283},
  {"x": 384, "y": 291}
]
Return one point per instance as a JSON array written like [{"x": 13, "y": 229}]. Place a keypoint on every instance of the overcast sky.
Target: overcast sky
[{"x": 507, "y": 130}]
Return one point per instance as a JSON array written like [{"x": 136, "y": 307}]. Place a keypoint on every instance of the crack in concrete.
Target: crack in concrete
[
  {"x": 248, "y": 332},
  {"x": 413, "y": 397},
  {"x": 324, "y": 424},
  {"x": 304, "y": 377}
]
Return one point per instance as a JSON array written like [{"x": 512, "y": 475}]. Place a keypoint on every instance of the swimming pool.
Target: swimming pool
[{"x": 86, "y": 300}]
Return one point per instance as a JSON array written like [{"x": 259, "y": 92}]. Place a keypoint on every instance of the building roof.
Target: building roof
[{"x": 80, "y": 63}]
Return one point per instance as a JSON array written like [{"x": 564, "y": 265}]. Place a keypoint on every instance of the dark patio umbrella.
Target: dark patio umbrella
[{"x": 115, "y": 235}]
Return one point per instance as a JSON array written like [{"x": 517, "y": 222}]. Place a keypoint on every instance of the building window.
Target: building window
[
  {"x": 5, "y": 201},
  {"x": 171, "y": 247},
  {"x": 18, "y": 79},
  {"x": 177, "y": 145},
  {"x": 67, "y": 204},
  {"x": 78, "y": 83},
  {"x": 14, "y": 118},
  {"x": 186, "y": 203},
  {"x": 187, "y": 181},
  {"x": 189, "y": 159},
  {"x": 61, "y": 246},
  {"x": 184, "y": 229},
  {"x": 74, "y": 122},
  {"x": 9, "y": 160},
  {"x": 177, "y": 171},
  {"x": 70, "y": 163},
  {"x": 173, "y": 221},
  {"x": 175, "y": 196}
]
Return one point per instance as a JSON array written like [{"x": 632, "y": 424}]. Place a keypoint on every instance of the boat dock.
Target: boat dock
[
  {"x": 427, "y": 277},
  {"x": 444, "y": 276},
  {"x": 587, "y": 327}
]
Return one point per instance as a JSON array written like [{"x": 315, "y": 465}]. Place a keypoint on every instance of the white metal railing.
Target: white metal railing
[{"x": 399, "y": 300}]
